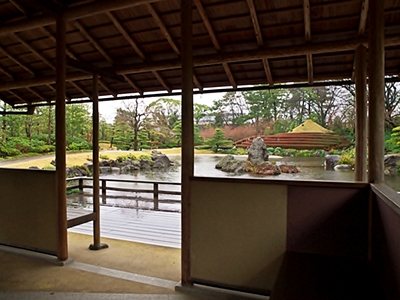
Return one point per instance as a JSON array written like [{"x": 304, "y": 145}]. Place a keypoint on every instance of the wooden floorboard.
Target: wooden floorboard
[{"x": 144, "y": 226}]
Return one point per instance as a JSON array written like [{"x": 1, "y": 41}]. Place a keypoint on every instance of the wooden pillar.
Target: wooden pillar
[
  {"x": 61, "y": 177},
  {"x": 96, "y": 173},
  {"x": 376, "y": 69},
  {"x": 187, "y": 133},
  {"x": 361, "y": 113}
]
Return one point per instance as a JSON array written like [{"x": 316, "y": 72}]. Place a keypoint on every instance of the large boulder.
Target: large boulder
[
  {"x": 257, "y": 152},
  {"x": 331, "y": 161},
  {"x": 391, "y": 164},
  {"x": 230, "y": 164},
  {"x": 161, "y": 161}
]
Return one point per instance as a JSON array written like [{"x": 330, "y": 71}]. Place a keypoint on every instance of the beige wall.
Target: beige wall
[
  {"x": 238, "y": 233},
  {"x": 28, "y": 214}
]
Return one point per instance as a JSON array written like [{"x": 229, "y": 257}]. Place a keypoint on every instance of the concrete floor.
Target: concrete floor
[{"x": 125, "y": 270}]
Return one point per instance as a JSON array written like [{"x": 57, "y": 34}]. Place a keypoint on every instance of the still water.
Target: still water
[{"x": 311, "y": 168}]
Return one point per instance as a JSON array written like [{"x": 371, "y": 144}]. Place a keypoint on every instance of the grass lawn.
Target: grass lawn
[{"x": 77, "y": 159}]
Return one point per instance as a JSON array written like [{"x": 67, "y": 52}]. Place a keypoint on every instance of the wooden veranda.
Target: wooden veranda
[{"x": 59, "y": 52}]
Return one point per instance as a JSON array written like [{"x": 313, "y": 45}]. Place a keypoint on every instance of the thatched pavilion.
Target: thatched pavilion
[{"x": 57, "y": 51}]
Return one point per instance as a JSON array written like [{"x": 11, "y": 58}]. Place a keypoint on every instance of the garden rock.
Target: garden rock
[
  {"x": 34, "y": 168},
  {"x": 265, "y": 168},
  {"x": 257, "y": 152},
  {"x": 115, "y": 171},
  {"x": 391, "y": 163},
  {"x": 343, "y": 167},
  {"x": 230, "y": 164},
  {"x": 145, "y": 164},
  {"x": 289, "y": 169},
  {"x": 105, "y": 170},
  {"x": 331, "y": 161},
  {"x": 161, "y": 161}
]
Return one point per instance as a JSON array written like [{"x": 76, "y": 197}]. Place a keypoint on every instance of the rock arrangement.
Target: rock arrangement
[
  {"x": 257, "y": 162},
  {"x": 157, "y": 161}
]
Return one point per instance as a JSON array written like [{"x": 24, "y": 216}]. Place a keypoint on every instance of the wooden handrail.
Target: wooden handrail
[{"x": 156, "y": 191}]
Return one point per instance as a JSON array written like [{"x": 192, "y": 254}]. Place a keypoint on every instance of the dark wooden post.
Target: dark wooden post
[
  {"x": 187, "y": 133},
  {"x": 61, "y": 177},
  {"x": 361, "y": 113},
  {"x": 155, "y": 196},
  {"x": 80, "y": 183},
  {"x": 376, "y": 70},
  {"x": 96, "y": 174}
]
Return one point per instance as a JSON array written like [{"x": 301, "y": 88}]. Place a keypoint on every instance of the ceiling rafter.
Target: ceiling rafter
[
  {"x": 52, "y": 36},
  {"x": 169, "y": 38},
  {"x": 260, "y": 41},
  {"x": 17, "y": 96},
  {"x": 15, "y": 60},
  {"x": 307, "y": 34},
  {"x": 19, "y": 7},
  {"x": 87, "y": 35},
  {"x": 6, "y": 73},
  {"x": 361, "y": 30},
  {"x": 135, "y": 47},
  {"x": 80, "y": 89},
  {"x": 132, "y": 84},
  {"x": 36, "y": 93},
  {"x": 29, "y": 47},
  {"x": 214, "y": 39}
]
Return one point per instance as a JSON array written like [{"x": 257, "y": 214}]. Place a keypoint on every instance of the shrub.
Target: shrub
[
  {"x": 49, "y": 167},
  {"x": 132, "y": 157},
  {"x": 104, "y": 156},
  {"x": 145, "y": 156}
]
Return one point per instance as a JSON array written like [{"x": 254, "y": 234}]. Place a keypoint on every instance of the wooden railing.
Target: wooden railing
[{"x": 128, "y": 191}]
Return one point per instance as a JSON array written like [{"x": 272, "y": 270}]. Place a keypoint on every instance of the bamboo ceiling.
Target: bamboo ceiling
[{"x": 134, "y": 45}]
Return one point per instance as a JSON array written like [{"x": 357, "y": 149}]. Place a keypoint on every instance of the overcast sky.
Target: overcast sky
[{"x": 107, "y": 109}]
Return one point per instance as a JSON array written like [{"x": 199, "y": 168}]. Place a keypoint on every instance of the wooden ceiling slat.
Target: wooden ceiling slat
[
  {"x": 15, "y": 60},
  {"x": 214, "y": 39},
  {"x": 29, "y": 47},
  {"x": 260, "y": 40},
  {"x": 6, "y": 73},
  {"x": 36, "y": 93},
  {"x": 307, "y": 33},
  {"x": 132, "y": 84},
  {"x": 52, "y": 36},
  {"x": 169, "y": 38}
]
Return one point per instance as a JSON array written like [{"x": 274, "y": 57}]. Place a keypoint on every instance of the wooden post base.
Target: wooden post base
[{"x": 98, "y": 247}]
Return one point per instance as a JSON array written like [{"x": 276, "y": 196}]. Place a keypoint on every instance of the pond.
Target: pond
[{"x": 311, "y": 168}]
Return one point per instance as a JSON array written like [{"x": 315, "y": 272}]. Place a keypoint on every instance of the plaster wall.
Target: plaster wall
[
  {"x": 28, "y": 214},
  {"x": 238, "y": 234}
]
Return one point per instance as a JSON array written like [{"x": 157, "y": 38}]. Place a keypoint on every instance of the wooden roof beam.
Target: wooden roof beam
[
  {"x": 107, "y": 88},
  {"x": 18, "y": 96},
  {"x": 30, "y": 48},
  {"x": 260, "y": 41},
  {"x": 361, "y": 29},
  {"x": 15, "y": 60},
  {"x": 19, "y": 7},
  {"x": 137, "y": 49},
  {"x": 52, "y": 36},
  {"x": 6, "y": 73},
  {"x": 169, "y": 38},
  {"x": 80, "y": 89},
  {"x": 214, "y": 39},
  {"x": 73, "y": 13},
  {"x": 307, "y": 33},
  {"x": 86, "y": 35},
  {"x": 36, "y": 94},
  {"x": 215, "y": 59},
  {"x": 132, "y": 84}
]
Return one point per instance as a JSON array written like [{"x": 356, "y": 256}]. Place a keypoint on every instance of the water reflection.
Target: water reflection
[{"x": 311, "y": 169}]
